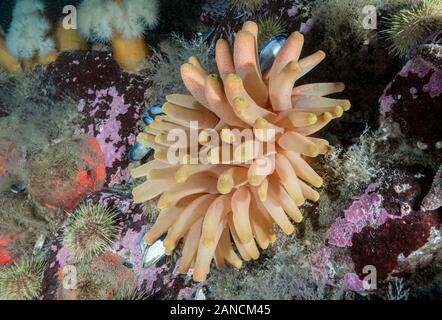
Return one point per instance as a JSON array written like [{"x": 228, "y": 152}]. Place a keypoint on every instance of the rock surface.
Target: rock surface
[
  {"x": 61, "y": 176},
  {"x": 383, "y": 228},
  {"x": 158, "y": 281},
  {"x": 110, "y": 101},
  {"x": 411, "y": 105}
]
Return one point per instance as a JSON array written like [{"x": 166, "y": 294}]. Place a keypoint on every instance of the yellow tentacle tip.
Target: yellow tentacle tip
[
  {"x": 199, "y": 275},
  {"x": 227, "y": 136},
  {"x": 321, "y": 54},
  {"x": 312, "y": 118},
  {"x": 262, "y": 195},
  {"x": 185, "y": 67},
  {"x": 207, "y": 242},
  {"x": 261, "y": 123},
  {"x": 233, "y": 78},
  {"x": 183, "y": 270},
  {"x": 297, "y": 35},
  {"x": 249, "y": 23},
  {"x": 327, "y": 116},
  {"x": 180, "y": 177},
  {"x": 340, "y": 86},
  {"x": 255, "y": 180},
  {"x": 240, "y": 103},
  {"x": 169, "y": 244},
  {"x": 338, "y": 112},
  {"x": 224, "y": 187},
  {"x": 290, "y": 230},
  {"x": 313, "y": 151},
  {"x": 295, "y": 67},
  {"x": 163, "y": 203},
  {"x": 149, "y": 238},
  {"x": 213, "y": 157},
  {"x": 346, "y": 105}
]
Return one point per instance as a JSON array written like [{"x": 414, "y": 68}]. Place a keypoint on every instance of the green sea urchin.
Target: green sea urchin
[
  {"x": 105, "y": 278},
  {"x": 409, "y": 28},
  {"x": 269, "y": 26},
  {"x": 22, "y": 280},
  {"x": 91, "y": 230},
  {"x": 246, "y": 5}
]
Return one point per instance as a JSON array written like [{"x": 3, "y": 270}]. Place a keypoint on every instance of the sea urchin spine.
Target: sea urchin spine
[
  {"x": 22, "y": 280},
  {"x": 409, "y": 28},
  {"x": 90, "y": 231}
]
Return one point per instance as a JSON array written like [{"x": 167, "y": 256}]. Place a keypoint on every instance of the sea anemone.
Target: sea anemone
[
  {"x": 22, "y": 280},
  {"x": 236, "y": 186},
  {"x": 246, "y": 5},
  {"x": 410, "y": 26},
  {"x": 91, "y": 230},
  {"x": 269, "y": 26},
  {"x": 29, "y": 37},
  {"x": 121, "y": 22},
  {"x": 68, "y": 39},
  {"x": 7, "y": 61}
]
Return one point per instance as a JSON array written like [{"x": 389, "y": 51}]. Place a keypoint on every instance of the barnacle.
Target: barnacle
[
  {"x": 90, "y": 231},
  {"x": 22, "y": 280},
  {"x": 410, "y": 26},
  {"x": 237, "y": 186}
]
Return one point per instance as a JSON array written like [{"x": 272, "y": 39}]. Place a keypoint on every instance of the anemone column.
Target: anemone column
[
  {"x": 29, "y": 37},
  {"x": 121, "y": 23},
  {"x": 68, "y": 39},
  {"x": 7, "y": 60}
]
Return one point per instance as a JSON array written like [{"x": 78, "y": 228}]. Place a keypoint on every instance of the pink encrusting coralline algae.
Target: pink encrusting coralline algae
[
  {"x": 420, "y": 69},
  {"x": 411, "y": 105},
  {"x": 129, "y": 246},
  {"x": 321, "y": 265},
  {"x": 324, "y": 269},
  {"x": 111, "y": 141},
  {"x": 158, "y": 279},
  {"x": 110, "y": 103},
  {"x": 386, "y": 102},
  {"x": 434, "y": 86},
  {"x": 292, "y": 12},
  {"x": 366, "y": 211},
  {"x": 352, "y": 282}
]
